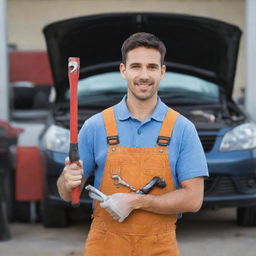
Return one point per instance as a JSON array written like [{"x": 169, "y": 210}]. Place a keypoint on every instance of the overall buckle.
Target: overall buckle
[
  {"x": 163, "y": 141},
  {"x": 113, "y": 140}
]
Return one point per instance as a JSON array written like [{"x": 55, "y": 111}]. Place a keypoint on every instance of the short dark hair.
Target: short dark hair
[{"x": 143, "y": 39}]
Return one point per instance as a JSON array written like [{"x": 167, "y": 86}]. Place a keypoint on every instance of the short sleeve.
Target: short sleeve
[
  {"x": 85, "y": 147},
  {"x": 191, "y": 161}
]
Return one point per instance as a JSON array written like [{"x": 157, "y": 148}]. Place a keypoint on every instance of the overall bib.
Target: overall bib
[{"x": 142, "y": 233}]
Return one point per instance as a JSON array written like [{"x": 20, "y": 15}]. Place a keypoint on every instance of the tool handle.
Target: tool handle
[
  {"x": 73, "y": 75},
  {"x": 149, "y": 186},
  {"x": 74, "y": 158}
]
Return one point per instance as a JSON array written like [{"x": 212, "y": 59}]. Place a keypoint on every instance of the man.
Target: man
[{"x": 137, "y": 139}]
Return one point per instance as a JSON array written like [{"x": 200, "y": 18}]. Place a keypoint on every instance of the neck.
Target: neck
[{"x": 141, "y": 109}]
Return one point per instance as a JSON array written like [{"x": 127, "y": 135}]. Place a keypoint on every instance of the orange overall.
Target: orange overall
[{"x": 142, "y": 233}]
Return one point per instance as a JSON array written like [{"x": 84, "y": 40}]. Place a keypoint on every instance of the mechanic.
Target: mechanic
[{"x": 137, "y": 139}]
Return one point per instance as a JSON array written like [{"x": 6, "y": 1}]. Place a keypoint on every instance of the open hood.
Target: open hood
[{"x": 198, "y": 46}]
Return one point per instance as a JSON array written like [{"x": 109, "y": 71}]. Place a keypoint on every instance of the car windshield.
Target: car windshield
[{"x": 175, "y": 88}]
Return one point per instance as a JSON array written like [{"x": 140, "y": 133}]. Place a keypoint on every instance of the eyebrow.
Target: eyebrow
[
  {"x": 150, "y": 64},
  {"x": 153, "y": 65},
  {"x": 134, "y": 64}
]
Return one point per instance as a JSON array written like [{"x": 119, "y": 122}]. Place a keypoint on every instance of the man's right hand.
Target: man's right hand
[
  {"x": 71, "y": 177},
  {"x": 72, "y": 174}
]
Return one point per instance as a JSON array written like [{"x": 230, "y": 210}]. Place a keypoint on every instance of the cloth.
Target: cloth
[
  {"x": 142, "y": 233},
  {"x": 185, "y": 152}
]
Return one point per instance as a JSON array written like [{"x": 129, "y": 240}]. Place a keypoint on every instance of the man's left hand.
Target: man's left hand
[{"x": 119, "y": 205}]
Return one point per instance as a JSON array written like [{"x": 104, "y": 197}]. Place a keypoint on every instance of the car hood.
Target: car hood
[{"x": 198, "y": 46}]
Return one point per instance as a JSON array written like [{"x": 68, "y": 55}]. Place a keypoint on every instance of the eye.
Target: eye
[{"x": 153, "y": 67}]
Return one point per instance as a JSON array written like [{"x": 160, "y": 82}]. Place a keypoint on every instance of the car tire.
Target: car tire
[
  {"x": 53, "y": 216},
  {"x": 246, "y": 216},
  {"x": 22, "y": 211}
]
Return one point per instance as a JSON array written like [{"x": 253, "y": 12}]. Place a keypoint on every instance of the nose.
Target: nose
[{"x": 144, "y": 74}]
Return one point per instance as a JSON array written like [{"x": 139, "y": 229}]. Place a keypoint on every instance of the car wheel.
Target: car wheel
[
  {"x": 53, "y": 216},
  {"x": 22, "y": 211},
  {"x": 246, "y": 216}
]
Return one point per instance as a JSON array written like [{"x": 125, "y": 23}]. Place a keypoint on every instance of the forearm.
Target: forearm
[{"x": 185, "y": 199}]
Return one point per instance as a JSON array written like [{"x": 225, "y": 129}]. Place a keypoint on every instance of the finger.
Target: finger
[
  {"x": 70, "y": 172},
  {"x": 115, "y": 218},
  {"x": 76, "y": 178},
  {"x": 75, "y": 171},
  {"x": 72, "y": 184},
  {"x": 121, "y": 220},
  {"x": 112, "y": 213},
  {"x": 75, "y": 166},
  {"x": 67, "y": 161},
  {"x": 76, "y": 183},
  {"x": 104, "y": 204}
]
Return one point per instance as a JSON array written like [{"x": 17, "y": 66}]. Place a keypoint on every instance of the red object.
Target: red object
[
  {"x": 29, "y": 174},
  {"x": 73, "y": 75},
  {"x": 32, "y": 66}
]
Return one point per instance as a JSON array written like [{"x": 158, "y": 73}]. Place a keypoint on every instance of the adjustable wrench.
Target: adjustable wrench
[{"x": 119, "y": 181}]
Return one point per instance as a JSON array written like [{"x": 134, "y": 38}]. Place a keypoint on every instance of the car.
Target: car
[{"x": 201, "y": 66}]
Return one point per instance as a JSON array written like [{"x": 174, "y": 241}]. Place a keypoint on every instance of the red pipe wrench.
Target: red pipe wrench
[{"x": 73, "y": 75}]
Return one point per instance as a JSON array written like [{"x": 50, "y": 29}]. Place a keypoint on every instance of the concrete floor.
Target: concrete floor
[{"x": 211, "y": 233}]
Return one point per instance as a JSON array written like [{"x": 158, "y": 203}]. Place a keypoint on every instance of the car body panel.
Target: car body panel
[{"x": 195, "y": 45}]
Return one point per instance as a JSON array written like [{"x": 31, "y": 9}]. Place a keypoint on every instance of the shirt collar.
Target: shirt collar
[{"x": 123, "y": 113}]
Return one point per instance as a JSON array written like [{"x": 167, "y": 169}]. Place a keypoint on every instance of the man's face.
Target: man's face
[{"x": 143, "y": 72}]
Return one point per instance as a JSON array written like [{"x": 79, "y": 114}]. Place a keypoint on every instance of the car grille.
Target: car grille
[
  {"x": 222, "y": 185},
  {"x": 225, "y": 185},
  {"x": 207, "y": 142}
]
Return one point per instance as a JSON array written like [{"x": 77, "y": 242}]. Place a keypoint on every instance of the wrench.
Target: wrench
[{"x": 119, "y": 181}]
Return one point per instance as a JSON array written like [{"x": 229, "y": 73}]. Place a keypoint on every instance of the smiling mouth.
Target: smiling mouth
[{"x": 144, "y": 83}]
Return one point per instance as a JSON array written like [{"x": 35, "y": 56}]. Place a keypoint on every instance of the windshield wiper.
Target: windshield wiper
[{"x": 187, "y": 99}]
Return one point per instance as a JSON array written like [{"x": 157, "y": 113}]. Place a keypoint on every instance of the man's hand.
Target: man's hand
[
  {"x": 71, "y": 177},
  {"x": 120, "y": 205},
  {"x": 72, "y": 174}
]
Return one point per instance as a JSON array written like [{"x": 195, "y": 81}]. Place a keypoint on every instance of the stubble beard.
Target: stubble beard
[{"x": 147, "y": 95}]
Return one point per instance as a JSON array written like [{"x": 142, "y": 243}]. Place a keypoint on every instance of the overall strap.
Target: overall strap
[
  {"x": 167, "y": 127},
  {"x": 110, "y": 125}
]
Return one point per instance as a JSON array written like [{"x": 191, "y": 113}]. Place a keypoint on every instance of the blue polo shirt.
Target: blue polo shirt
[{"x": 186, "y": 155}]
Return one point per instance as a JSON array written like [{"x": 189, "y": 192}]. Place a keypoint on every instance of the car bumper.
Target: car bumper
[{"x": 230, "y": 201}]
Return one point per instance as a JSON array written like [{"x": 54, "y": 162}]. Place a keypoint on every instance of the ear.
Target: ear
[
  {"x": 163, "y": 70},
  {"x": 122, "y": 70}
]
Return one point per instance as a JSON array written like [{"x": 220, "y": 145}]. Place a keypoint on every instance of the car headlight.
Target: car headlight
[
  {"x": 56, "y": 139},
  {"x": 240, "y": 138}
]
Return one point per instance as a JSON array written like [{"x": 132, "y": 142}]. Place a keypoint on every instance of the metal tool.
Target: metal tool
[
  {"x": 155, "y": 182},
  {"x": 119, "y": 181},
  {"x": 95, "y": 194}
]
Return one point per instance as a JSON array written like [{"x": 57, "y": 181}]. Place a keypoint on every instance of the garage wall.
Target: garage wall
[{"x": 26, "y": 18}]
